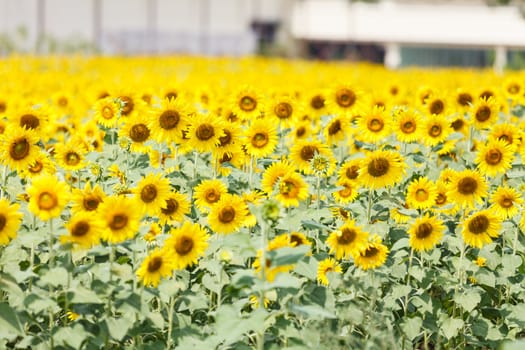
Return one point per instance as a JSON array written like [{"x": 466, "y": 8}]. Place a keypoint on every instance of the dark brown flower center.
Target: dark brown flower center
[
  {"x": 457, "y": 124},
  {"x": 171, "y": 207},
  {"x": 317, "y": 102},
  {"x": 226, "y": 139},
  {"x": 205, "y": 132},
  {"x": 148, "y": 193},
  {"x": 3, "y": 106},
  {"x": 72, "y": 158},
  {"x": 283, "y": 110},
  {"x": 423, "y": 230},
  {"x": 378, "y": 167},
  {"x": 169, "y": 119},
  {"x": 437, "y": 107},
  {"x": 375, "y": 124},
  {"x": 154, "y": 264},
  {"x": 434, "y": 130},
  {"x": 334, "y": 127},
  {"x": 36, "y": 167},
  {"x": 139, "y": 133},
  {"x": 118, "y": 221},
  {"x": 408, "y": 127},
  {"x": 441, "y": 199},
  {"x": 184, "y": 245},
  {"x": 464, "y": 99},
  {"x": 506, "y": 202},
  {"x": 296, "y": 240},
  {"x": 493, "y": 156},
  {"x": 483, "y": 114},
  {"x": 513, "y": 88},
  {"x": 80, "y": 229},
  {"x": 352, "y": 172},
  {"x": 478, "y": 224},
  {"x": 300, "y": 131},
  {"x": 345, "y": 97},
  {"x": 91, "y": 203},
  {"x": 212, "y": 196},
  {"x": 171, "y": 95},
  {"x": 347, "y": 236},
  {"x": 128, "y": 105},
  {"x": 3, "y": 221},
  {"x": 308, "y": 152},
  {"x": 370, "y": 252},
  {"x": 19, "y": 149},
  {"x": 467, "y": 185},
  {"x": 259, "y": 140},
  {"x": 29, "y": 121},
  {"x": 227, "y": 214},
  {"x": 247, "y": 103}
]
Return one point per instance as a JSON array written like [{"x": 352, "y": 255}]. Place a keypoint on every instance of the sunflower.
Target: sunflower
[
  {"x": 513, "y": 87},
  {"x": 36, "y": 119},
  {"x": 505, "y": 202},
  {"x": 230, "y": 139},
  {"x": 381, "y": 169},
  {"x": 47, "y": 196},
  {"x": 347, "y": 241},
  {"x": 186, "y": 244},
  {"x": 87, "y": 199},
  {"x": 484, "y": 113},
  {"x": 463, "y": 99},
  {"x": 398, "y": 216},
  {"x": 228, "y": 214},
  {"x": 348, "y": 193},
  {"x": 177, "y": 205},
  {"x": 336, "y": 130},
  {"x": 425, "y": 233},
  {"x": 374, "y": 126},
  {"x": 168, "y": 120},
  {"x": 509, "y": 133},
  {"x": 107, "y": 112},
  {"x": 326, "y": 266},
  {"x": 42, "y": 165},
  {"x": 436, "y": 129},
  {"x": 495, "y": 157},
  {"x": 436, "y": 104},
  {"x": 247, "y": 103},
  {"x": 349, "y": 171},
  {"x": 152, "y": 192},
  {"x": 84, "y": 230},
  {"x": 304, "y": 151},
  {"x": 421, "y": 193},
  {"x": 270, "y": 272},
  {"x": 301, "y": 130},
  {"x": 121, "y": 217},
  {"x": 10, "y": 220},
  {"x": 205, "y": 131},
  {"x": 255, "y": 198},
  {"x": 407, "y": 125},
  {"x": 137, "y": 130},
  {"x": 235, "y": 158},
  {"x": 480, "y": 228},
  {"x": 272, "y": 174},
  {"x": 298, "y": 238},
  {"x": 467, "y": 188},
  {"x": 71, "y": 156},
  {"x": 19, "y": 149},
  {"x": 260, "y": 138},
  {"x": 343, "y": 99},
  {"x": 284, "y": 110},
  {"x": 131, "y": 104},
  {"x": 207, "y": 193},
  {"x": 372, "y": 256},
  {"x": 156, "y": 266},
  {"x": 291, "y": 188},
  {"x": 316, "y": 103}
]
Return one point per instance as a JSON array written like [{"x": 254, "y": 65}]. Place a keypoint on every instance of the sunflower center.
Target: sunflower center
[
  {"x": 184, "y": 245},
  {"x": 394, "y": 90},
  {"x": 335, "y": 127},
  {"x": 205, "y": 132},
  {"x": 483, "y": 114},
  {"x": 226, "y": 157},
  {"x": 506, "y": 202},
  {"x": 300, "y": 131},
  {"x": 346, "y": 192},
  {"x": 345, "y": 97},
  {"x": 378, "y": 167},
  {"x": 212, "y": 196},
  {"x": 72, "y": 158},
  {"x": 288, "y": 188},
  {"x": 507, "y": 138},
  {"x": 486, "y": 94},
  {"x": 479, "y": 224},
  {"x": 457, "y": 124},
  {"x": 36, "y": 167},
  {"x": 3, "y": 106},
  {"x": 317, "y": 102},
  {"x": 513, "y": 89},
  {"x": 3, "y": 221},
  {"x": 370, "y": 252},
  {"x": 347, "y": 236},
  {"x": 107, "y": 112},
  {"x": 437, "y": 107},
  {"x": 118, "y": 221},
  {"x": 19, "y": 149},
  {"x": 169, "y": 119},
  {"x": 91, "y": 203},
  {"x": 171, "y": 95},
  {"x": 421, "y": 195},
  {"x": 47, "y": 201},
  {"x": 227, "y": 214},
  {"x": 283, "y": 110},
  {"x": 260, "y": 140},
  {"x": 226, "y": 139},
  {"x": 467, "y": 185},
  {"x": 128, "y": 105},
  {"x": 423, "y": 230},
  {"x": 171, "y": 207},
  {"x": 148, "y": 193},
  {"x": 154, "y": 264},
  {"x": 352, "y": 172},
  {"x": 29, "y": 121},
  {"x": 434, "y": 131},
  {"x": 146, "y": 98},
  {"x": 296, "y": 240},
  {"x": 464, "y": 99},
  {"x": 493, "y": 156},
  {"x": 375, "y": 124},
  {"x": 248, "y": 103},
  {"x": 139, "y": 133},
  {"x": 80, "y": 229},
  {"x": 441, "y": 199},
  {"x": 308, "y": 152},
  {"x": 408, "y": 127}
]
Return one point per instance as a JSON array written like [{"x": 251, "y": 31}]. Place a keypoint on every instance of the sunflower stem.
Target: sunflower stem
[
  {"x": 111, "y": 259},
  {"x": 51, "y": 259},
  {"x": 514, "y": 248},
  {"x": 194, "y": 165},
  {"x": 4, "y": 181},
  {"x": 169, "y": 340},
  {"x": 410, "y": 258},
  {"x": 250, "y": 173},
  {"x": 260, "y": 335},
  {"x": 318, "y": 192},
  {"x": 369, "y": 207}
]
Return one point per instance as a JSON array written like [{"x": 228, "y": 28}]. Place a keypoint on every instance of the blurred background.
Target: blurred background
[{"x": 397, "y": 33}]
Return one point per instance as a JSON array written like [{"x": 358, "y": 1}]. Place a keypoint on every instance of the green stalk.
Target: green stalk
[
  {"x": 369, "y": 207},
  {"x": 411, "y": 257},
  {"x": 169, "y": 341}
]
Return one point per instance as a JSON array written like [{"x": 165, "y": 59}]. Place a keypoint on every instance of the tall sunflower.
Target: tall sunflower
[
  {"x": 228, "y": 214},
  {"x": 291, "y": 188},
  {"x": 480, "y": 228},
  {"x": 347, "y": 241},
  {"x": 167, "y": 121},
  {"x": 84, "y": 230},
  {"x": 343, "y": 99},
  {"x": 407, "y": 125},
  {"x": 137, "y": 130},
  {"x": 283, "y": 110},
  {"x": 71, "y": 156},
  {"x": 247, "y": 103},
  {"x": 87, "y": 199},
  {"x": 260, "y": 138},
  {"x": 10, "y": 220},
  {"x": 107, "y": 112},
  {"x": 466, "y": 188},
  {"x": 373, "y": 126},
  {"x": 484, "y": 112},
  {"x": 421, "y": 193},
  {"x": 425, "y": 233},
  {"x": 177, "y": 205},
  {"x": 151, "y": 192},
  {"x": 19, "y": 149},
  {"x": 381, "y": 169},
  {"x": 326, "y": 266},
  {"x": 121, "y": 217},
  {"x": 207, "y": 193},
  {"x": 436, "y": 130},
  {"x": 47, "y": 196},
  {"x": 373, "y": 255},
  {"x": 505, "y": 202},
  {"x": 495, "y": 157},
  {"x": 186, "y": 244},
  {"x": 205, "y": 131},
  {"x": 157, "y": 265}
]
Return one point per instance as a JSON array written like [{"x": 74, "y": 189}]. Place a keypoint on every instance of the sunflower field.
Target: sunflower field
[{"x": 220, "y": 203}]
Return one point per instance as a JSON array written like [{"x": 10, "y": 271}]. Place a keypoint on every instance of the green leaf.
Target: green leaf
[
  {"x": 287, "y": 255},
  {"x": 451, "y": 327},
  {"x": 231, "y": 325},
  {"x": 417, "y": 272},
  {"x": 307, "y": 267},
  {"x": 83, "y": 295},
  {"x": 55, "y": 277},
  {"x": 513, "y": 345},
  {"x": 118, "y": 327},
  {"x": 10, "y": 325},
  {"x": 72, "y": 336},
  {"x": 312, "y": 311},
  {"x": 312, "y": 225},
  {"x": 510, "y": 264},
  {"x": 468, "y": 300},
  {"x": 210, "y": 283},
  {"x": 412, "y": 327}
]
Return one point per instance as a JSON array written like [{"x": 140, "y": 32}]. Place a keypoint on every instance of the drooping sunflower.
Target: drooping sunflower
[
  {"x": 484, "y": 113},
  {"x": 177, "y": 205},
  {"x": 407, "y": 125},
  {"x": 186, "y": 244},
  {"x": 304, "y": 151},
  {"x": 87, "y": 199},
  {"x": 205, "y": 131},
  {"x": 467, "y": 188},
  {"x": 373, "y": 126},
  {"x": 348, "y": 193},
  {"x": 84, "y": 230},
  {"x": 247, "y": 103},
  {"x": 121, "y": 217},
  {"x": 167, "y": 121},
  {"x": 326, "y": 266},
  {"x": 260, "y": 138},
  {"x": 10, "y": 220},
  {"x": 157, "y": 265},
  {"x": 373, "y": 255},
  {"x": 425, "y": 233},
  {"x": 421, "y": 193},
  {"x": 381, "y": 169},
  {"x": 19, "y": 149},
  {"x": 291, "y": 188},
  {"x": 71, "y": 156},
  {"x": 505, "y": 202},
  {"x": 47, "y": 196},
  {"x": 480, "y": 228},
  {"x": 228, "y": 214},
  {"x": 207, "y": 193},
  {"x": 107, "y": 112},
  {"x": 495, "y": 157},
  {"x": 151, "y": 192},
  {"x": 436, "y": 130},
  {"x": 137, "y": 130},
  {"x": 347, "y": 241},
  {"x": 272, "y": 174}
]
